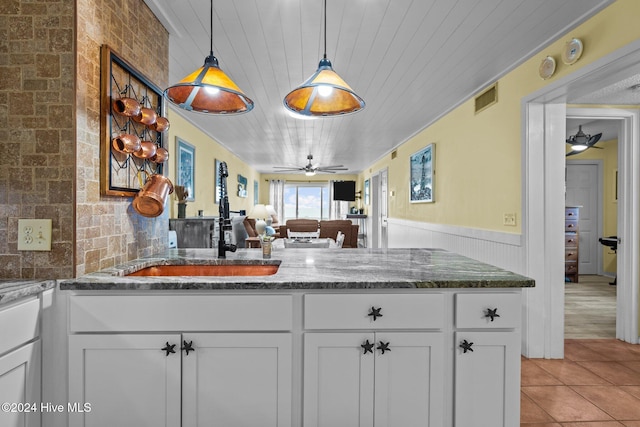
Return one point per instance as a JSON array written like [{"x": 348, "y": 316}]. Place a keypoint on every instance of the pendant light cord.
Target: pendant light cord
[
  {"x": 325, "y": 29},
  {"x": 211, "y": 32}
]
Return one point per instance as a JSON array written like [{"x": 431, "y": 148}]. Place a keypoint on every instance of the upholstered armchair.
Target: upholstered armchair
[{"x": 330, "y": 229}]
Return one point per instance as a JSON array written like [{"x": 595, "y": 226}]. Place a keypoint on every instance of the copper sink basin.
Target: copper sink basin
[{"x": 208, "y": 270}]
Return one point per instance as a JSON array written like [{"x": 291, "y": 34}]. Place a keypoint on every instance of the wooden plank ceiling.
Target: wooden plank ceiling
[{"x": 411, "y": 61}]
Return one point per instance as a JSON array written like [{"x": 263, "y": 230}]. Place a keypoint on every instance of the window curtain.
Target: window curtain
[
  {"x": 276, "y": 197},
  {"x": 337, "y": 208}
]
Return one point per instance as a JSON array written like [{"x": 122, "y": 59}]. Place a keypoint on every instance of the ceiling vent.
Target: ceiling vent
[{"x": 487, "y": 98}]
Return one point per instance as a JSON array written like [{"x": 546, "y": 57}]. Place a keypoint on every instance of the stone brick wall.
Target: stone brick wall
[
  {"x": 50, "y": 132},
  {"x": 37, "y": 132},
  {"x": 108, "y": 230}
]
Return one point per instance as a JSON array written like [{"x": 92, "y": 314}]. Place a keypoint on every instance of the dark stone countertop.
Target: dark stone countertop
[
  {"x": 11, "y": 290},
  {"x": 311, "y": 269}
]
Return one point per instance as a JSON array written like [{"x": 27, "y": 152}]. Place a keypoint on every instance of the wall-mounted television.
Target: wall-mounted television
[{"x": 344, "y": 190}]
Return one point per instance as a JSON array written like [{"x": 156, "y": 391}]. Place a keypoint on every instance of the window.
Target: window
[{"x": 306, "y": 200}]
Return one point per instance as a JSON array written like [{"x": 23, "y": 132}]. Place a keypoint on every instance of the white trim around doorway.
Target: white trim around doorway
[{"x": 543, "y": 163}]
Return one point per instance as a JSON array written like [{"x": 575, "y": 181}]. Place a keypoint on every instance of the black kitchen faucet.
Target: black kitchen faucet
[{"x": 224, "y": 220}]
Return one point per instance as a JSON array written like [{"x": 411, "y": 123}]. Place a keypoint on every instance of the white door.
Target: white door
[
  {"x": 384, "y": 207},
  {"x": 409, "y": 379},
  {"x": 20, "y": 384},
  {"x": 375, "y": 211},
  {"x": 487, "y": 379},
  {"x": 338, "y": 380},
  {"x": 583, "y": 190},
  {"x": 237, "y": 380},
  {"x": 129, "y": 380}
]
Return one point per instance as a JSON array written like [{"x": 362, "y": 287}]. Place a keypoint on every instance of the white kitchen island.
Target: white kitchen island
[{"x": 355, "y": 337}]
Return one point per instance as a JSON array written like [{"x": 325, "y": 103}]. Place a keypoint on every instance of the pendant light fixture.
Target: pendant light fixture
[
  {"x": 209, "y": 89},
  {"x": 324, "y": 93}
]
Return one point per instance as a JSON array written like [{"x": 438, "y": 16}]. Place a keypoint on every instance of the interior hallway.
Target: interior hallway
[{"x": 597, "y": 384}]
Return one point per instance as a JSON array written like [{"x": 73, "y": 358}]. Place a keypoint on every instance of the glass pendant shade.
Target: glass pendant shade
[
  {"x": 323, "y": 94},
  {"x": 209, "y": 90}
]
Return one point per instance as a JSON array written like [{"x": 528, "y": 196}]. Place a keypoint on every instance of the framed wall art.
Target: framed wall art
[
  {"x": 421, "y": 167},
  {"x": 185, "y": 167},
  {"x": 242, "y": 186}
]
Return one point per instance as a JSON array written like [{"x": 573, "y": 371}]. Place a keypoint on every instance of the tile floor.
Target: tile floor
[{"x": 597, "y": 384}]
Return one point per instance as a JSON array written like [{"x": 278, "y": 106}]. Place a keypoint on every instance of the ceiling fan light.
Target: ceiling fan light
[
  {"x": 310, "y": 173},
  {"x": 579, "y": 147},
  {"x": 209, "y": 90},
  {"x": 323, "y": 94}
]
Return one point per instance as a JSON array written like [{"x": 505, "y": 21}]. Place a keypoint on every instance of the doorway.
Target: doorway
[
  {"x": 379, "y": 209},
  {"x": 544, "y": 115}
]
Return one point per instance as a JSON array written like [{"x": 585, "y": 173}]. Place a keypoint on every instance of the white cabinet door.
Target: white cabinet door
[
  {"x": 409, "y": 379},
  {"x": 400, "y": 382},
  {"x": 487, "y": 379},
  {"x": 20, "y": 384},
  {"x": 128, "y": 380},
  {"x": 338, "y": 380},
  {"x": 237, "y": 380}
]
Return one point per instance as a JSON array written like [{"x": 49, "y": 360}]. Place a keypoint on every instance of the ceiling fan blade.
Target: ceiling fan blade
[
  {"x": 283, "y": 169},
  {"x": 571, "y": 153},
  {"x": 594, "y": 139}
]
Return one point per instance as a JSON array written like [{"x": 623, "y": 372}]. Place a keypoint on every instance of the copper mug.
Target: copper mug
[
  {"x": 152, "y": 197},
  {"x": 147, "y": 116},
  {"x": 126, "y": 143},
  {"x": 161, "y": 124},
  {"x": 127, "y": 107},
  {"x": 161, "y": 155},
  {"x": 147, "y": 150}
]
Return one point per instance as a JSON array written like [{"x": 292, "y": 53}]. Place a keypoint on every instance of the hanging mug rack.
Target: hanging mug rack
[{"x": 132, "y": 125}]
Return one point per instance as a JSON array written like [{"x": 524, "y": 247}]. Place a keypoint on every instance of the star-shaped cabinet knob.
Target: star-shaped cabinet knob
[
  {"x": 466, "y": 346},
  {"x": 383, "y": 346},
  {"x": 492, "y": 313},
  {"x": 375, "y": 313},
  {"x": 368, "y": 347},
  {"x": 169, "y": 348},
  {"x": 187, "y": 347}
]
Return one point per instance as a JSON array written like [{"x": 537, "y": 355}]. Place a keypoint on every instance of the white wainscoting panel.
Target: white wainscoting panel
[{"x": 504, "y": 250}]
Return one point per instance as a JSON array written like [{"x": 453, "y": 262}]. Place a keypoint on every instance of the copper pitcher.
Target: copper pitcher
[
  {"x": 151, "y": 199},
  {"x": 127, "y": 107},
  {"x": 126, "y": 143}
]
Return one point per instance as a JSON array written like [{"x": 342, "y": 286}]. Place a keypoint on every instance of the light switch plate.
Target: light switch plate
[
  {"x": 34, "y": 234},
  {"x": 509, "y": 219}
]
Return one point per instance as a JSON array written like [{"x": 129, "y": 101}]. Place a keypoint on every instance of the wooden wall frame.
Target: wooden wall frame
[{"x": 123, "y": 174}]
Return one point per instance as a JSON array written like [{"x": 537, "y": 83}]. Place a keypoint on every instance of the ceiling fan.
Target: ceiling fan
[
  {"x": 581, "y": 141},
  {"x": 309, "y": 169}
]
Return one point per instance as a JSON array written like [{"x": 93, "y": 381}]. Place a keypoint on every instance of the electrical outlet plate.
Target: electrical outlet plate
[
  {"x": 34, "y": 234},
  {"x": 509, "y": 219}
]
